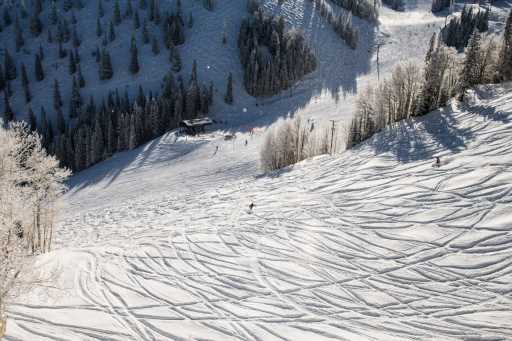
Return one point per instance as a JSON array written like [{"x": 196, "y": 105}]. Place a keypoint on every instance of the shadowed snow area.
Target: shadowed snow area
[{"x": 372, "y": 244}]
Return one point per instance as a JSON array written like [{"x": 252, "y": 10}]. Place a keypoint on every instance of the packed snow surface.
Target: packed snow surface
[
  {"x": 159, "y": 243},
  {"x": 372, "y": 244}
]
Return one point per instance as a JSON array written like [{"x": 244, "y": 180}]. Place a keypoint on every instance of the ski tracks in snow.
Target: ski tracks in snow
[{"x": 360, "y": 246}]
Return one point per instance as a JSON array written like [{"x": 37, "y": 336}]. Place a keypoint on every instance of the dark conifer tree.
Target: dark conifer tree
[
  {"x": 155, "y": 46},
  {"x": 175, "y": 58},
  {"x": 129, "y": 9},
  {"x": 117, "y": 13},
  {"x": 136, "y": 20},
  {"x": 2, "y": 78},
  {"x": 8, "y": 113},
  {"x": 134, "y": 59},
  {"x": 81, "y": 80},
  {"x": 142, "y": 4},
  {"x": 141, "y": 98},
  {"x": 76, "y": 39},
  {"x": 99, "y": 30},
  {"x": 73, "y": 18},
  {"x": 25, "y": 83},
  {"x": 20, "y": 41},
  {"x": 145, "y": 33},
  {"x": 9, "y": 67},
  {"x": 97, "y": 54},
  {"x": 75, "y": 102},
  {"x": 32, "y": 122},
  {"x": 41, "y": 52},
  {"x": 111, "y": 32},
  {"x": 53, "y": 16},
  {"x": 62, "y": 52},
  {"x": 101, "y": 10},
  {"x": 61, "y": 122},
  {"x": 35, "y": 24},
  {"x": 190, "y": 20},
  {"x": 50, "y": 36},
  {"x": 72, "y": 64},
  {"x": 68, "y": 4},
  {"x": 106, "y": 71},
  {"x": 229, "y": 90},
  {"x": 57, "y": 99},
  {"x": 7, "y": 17},
  {"x": 77, "y": 56},
  {"x": 38, "y": 68}
]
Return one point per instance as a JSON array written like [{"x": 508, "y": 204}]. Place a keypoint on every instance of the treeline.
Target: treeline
[
  {"x": 365, "y": 9},
  {"x": 445, "y": 75},
  {"x": 458, "y": 31},
  {"x": 273, "y": 57},
  {"x": 439, "y": 5},
  {"x": 96, "y": 132},
  {"x": 295, "y": 139},
  {"x": 397, "y": 5},
  {"x": 341, "y": 23},
  {"x": 119, "y": 124}
]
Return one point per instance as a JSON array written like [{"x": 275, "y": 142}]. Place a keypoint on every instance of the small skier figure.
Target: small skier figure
[
  {"x": 251, "y": 205},
  {"x": 246, "y": 142},
  {"x": 438, "y": 162}
]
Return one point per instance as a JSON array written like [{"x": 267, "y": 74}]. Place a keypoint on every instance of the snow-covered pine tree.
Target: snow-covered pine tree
[
  {"x": 470, "y": 75},
  {"x": 505, "y": 58}
]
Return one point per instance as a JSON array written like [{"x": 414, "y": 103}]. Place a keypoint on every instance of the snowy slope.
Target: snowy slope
[
  {"x": 374, "y": 244},
  {"x": 327, "y": 93}
]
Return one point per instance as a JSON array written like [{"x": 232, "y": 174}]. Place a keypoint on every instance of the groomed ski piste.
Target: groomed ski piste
[
  {"x": 159, "y": 243},
  {"x": 372, "y": 244}
]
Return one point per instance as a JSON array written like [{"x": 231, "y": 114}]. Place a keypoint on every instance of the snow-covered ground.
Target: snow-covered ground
[
  {"x": 373, "y": 244},
  {"x": 158, "y": 243}
]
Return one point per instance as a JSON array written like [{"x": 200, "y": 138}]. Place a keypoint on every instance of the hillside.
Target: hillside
[
  {"x": 374, "y": 244},
  {"x": 341, "y": 70}
]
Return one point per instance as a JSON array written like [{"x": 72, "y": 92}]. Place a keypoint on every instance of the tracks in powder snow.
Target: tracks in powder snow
[{"x": 356, "y": 247}]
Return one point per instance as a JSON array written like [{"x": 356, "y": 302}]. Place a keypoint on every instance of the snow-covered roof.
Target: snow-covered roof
[{"x": 202, "y": 121}]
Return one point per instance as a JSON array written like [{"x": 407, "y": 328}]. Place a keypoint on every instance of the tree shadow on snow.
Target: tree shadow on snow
[
  {"x": 162, "y": 150},
  {"x": 421, "y": 138}
]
